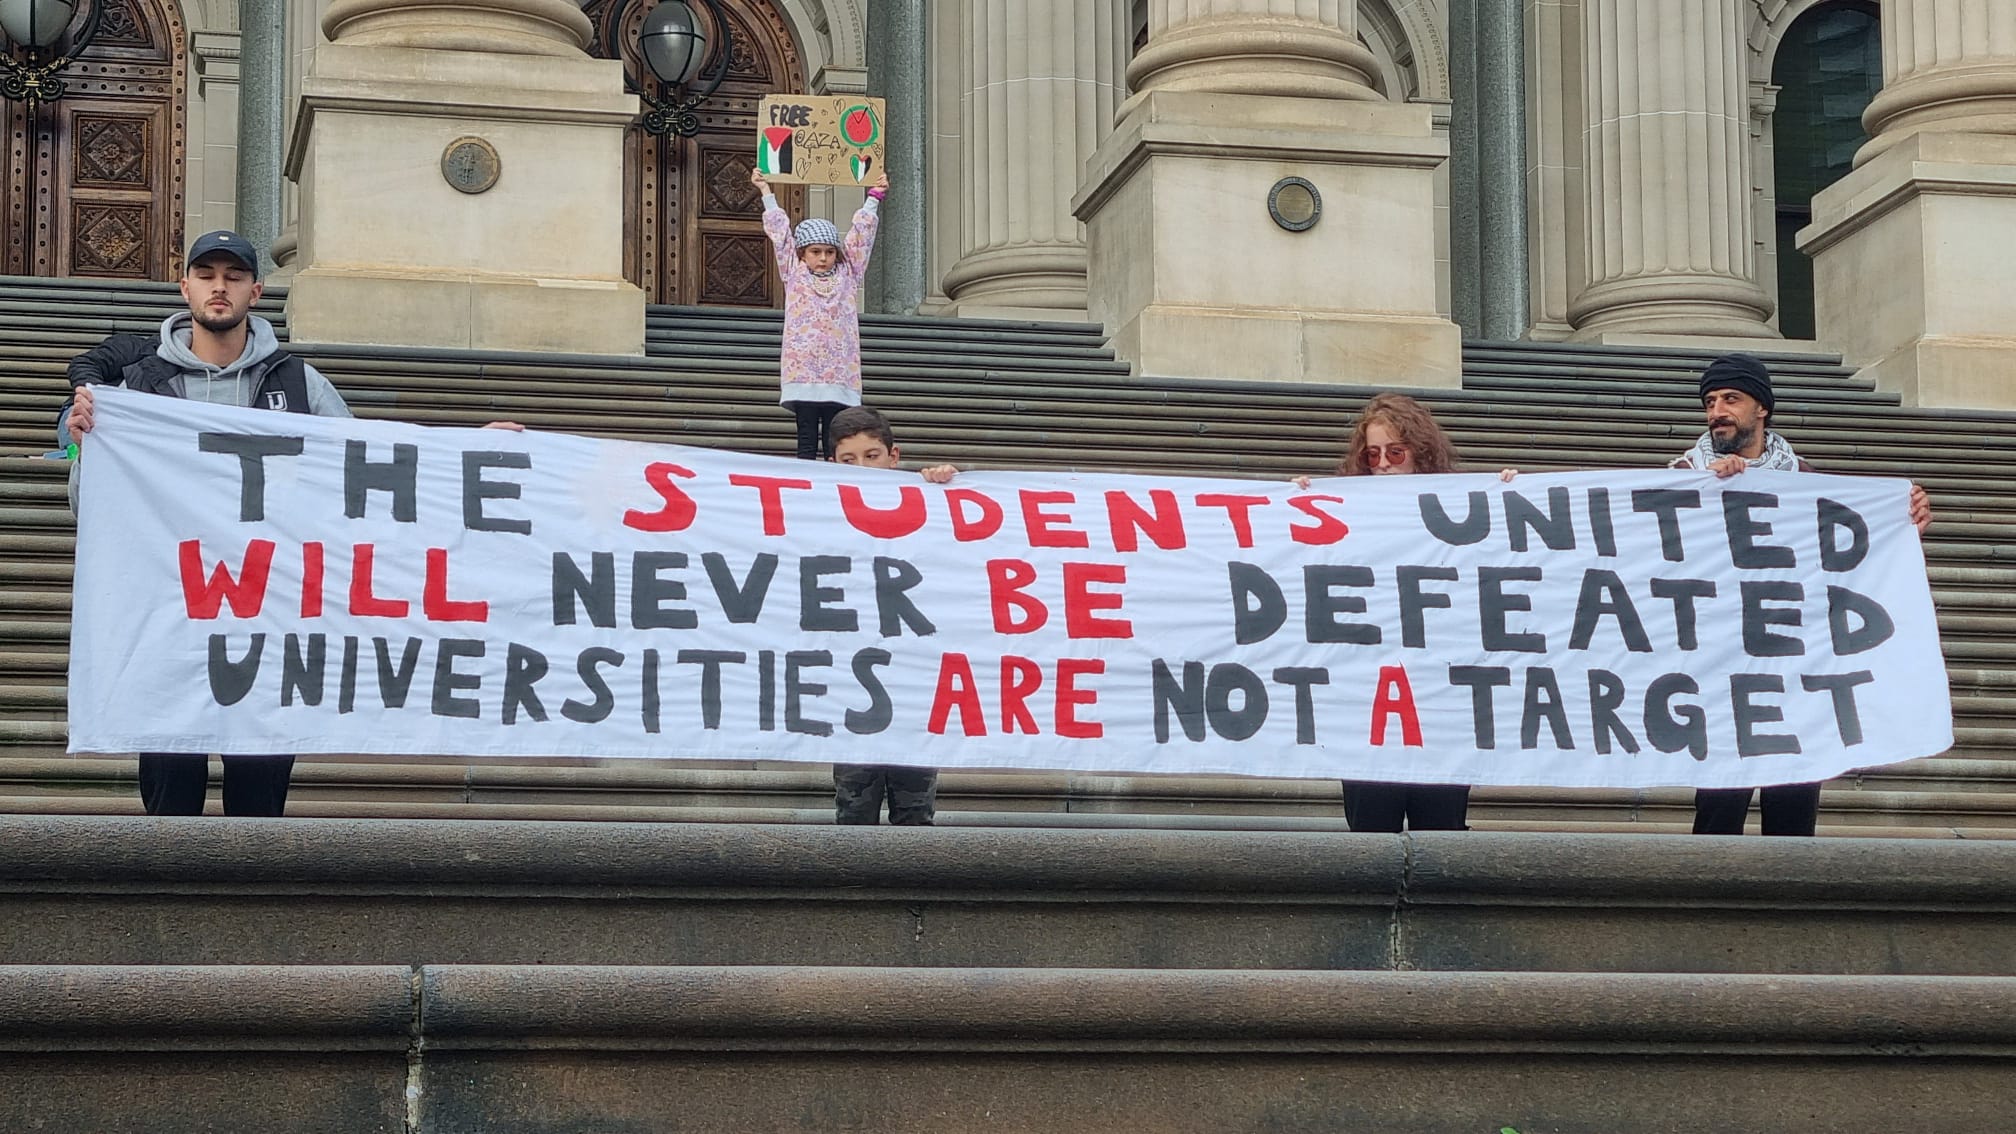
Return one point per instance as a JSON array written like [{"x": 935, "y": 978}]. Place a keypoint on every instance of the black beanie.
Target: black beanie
[{"x": 1743, "y": 372}]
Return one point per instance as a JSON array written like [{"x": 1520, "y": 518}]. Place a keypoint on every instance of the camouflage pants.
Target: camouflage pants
[{"x": 858, "y": 790}]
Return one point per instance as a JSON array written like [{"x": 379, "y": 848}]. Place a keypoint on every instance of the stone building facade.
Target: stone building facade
[{"x": 1835, "y": 173}]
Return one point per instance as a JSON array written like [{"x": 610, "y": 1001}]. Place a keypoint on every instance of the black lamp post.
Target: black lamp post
[
  {"x": 35, "y": 27},
  {"x": 675, "y": 48}
]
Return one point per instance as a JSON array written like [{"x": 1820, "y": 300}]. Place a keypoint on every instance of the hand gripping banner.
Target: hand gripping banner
[{"x": 262, "y": 582}]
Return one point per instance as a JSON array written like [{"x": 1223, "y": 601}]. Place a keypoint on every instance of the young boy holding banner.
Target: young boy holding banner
[{"x": 862, "y": 437}]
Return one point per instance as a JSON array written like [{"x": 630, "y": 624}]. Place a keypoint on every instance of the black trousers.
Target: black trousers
[
  {"x": 172, "y": 783},
  {"x": 1417, "y": 807},
  {"x": 813, "y": 420},
  {"x": 858, "y": 791},
  {"x": 1789, "y": 809}
]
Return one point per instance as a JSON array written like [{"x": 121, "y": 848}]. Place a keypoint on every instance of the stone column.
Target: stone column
[
  {"x": 1666, "y": 168},
  {"x": 1914, "y": 253},
  {"x": 896, "y": 73},
  {"x": 262, "y": 115},
  {"x": 1190, "y": 272},
  {"x": 393, "y": 251},
  {"x": 1501, "y": 168},
  {"x": 1043, "y": 78}
]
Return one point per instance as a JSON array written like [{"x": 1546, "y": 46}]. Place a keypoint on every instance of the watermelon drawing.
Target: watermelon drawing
[{"x": 859, "y": 126}]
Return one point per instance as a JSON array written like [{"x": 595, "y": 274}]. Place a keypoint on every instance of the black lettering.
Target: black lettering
[
  {"x": 1847, "y": 720},
  {"x": 394, "y": 682},
  {"x": 710, "y": 663},
  {"x": 588, "y": 667},
  {"x": 815, "y": 609},
  {"x": 1482, "y": 679},
  {"x": 1414, "y": 600},
  {"x": 475, "y": 490},
  {"x": 1665, "y": 503},
  {"x": 1603, "y": 594},
  {"x": 1185, "y": 697},
  {"x": 523, "y": 667},
  {"x": 880, "y": 711},
  {"x": 1543, "y": 702},
  {"x": 1835, "y": 518},
  {"x": 1606, "y": 696},
  {"x": 1671, "y": 732},
  {"x": 649, "y": 593},
  {"x": 1758, "y": 640},
  {"x": 648, "y": 692},
  {"x": 766, "y": 690},
  {"x": 251, "y": 449},
  {"x": 1258, "y": 608},
  {"x": 1876, "y": 628},
  {"x": 1555, "y": 526},
  {"x": 1745, "y": 530},
  {"x": 742, "y": 604},
  {"x": 231, "y": 680},
  {"x": 1750, "y": 742},
  {"x": 1493, "y": 604},
  {"x": 596, "y": 591},
  {"x": 400, "y": 477},
  {"x": 1301, "y": 678},
  {"x": 447, "y": 682},
  {"x": 1475, "y": 526},
  {"x": 1600, "y": 524},
  {"x": 1226, "y": 679},
  {"x": 303, "y": 673},
  {"x": 1683, "y": 592},
  {"x": 1321, "y": 608},
  {"x": 346, "y": 681},
  {"x": 894, "y": 577},
  {"x": 795, "y": 690}
]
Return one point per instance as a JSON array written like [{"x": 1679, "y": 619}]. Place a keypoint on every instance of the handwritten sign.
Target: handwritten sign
[{"x": 819, "y": 140}]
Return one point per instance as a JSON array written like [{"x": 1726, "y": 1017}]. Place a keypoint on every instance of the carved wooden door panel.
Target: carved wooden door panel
[
  {"x": 94, "y": 181},
  {"x": 694, "y": 229}
]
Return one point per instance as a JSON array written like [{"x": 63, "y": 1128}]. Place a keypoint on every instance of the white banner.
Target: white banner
[{"x": 250, "y": 581}]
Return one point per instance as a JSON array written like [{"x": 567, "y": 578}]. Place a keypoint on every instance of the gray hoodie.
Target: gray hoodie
[{"x": 231, "y": 385}]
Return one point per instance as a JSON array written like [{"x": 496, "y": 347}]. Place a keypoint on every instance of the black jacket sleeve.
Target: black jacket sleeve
[{"x": 105, "y": 363}]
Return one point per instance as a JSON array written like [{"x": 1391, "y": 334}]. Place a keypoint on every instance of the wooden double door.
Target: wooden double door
[
  {"x": 693, "y": 225},
  {"x": 93, "y": 182}
]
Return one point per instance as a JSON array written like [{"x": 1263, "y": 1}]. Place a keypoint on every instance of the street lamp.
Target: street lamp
[
  {"x": 37, "y": 26},
  {"x": 675, "y": 48}
]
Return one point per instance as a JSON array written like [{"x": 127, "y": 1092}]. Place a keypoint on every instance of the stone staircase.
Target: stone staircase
[
  {"x": 357, "y": 977},
  {"x": 1022, "y": 395}
]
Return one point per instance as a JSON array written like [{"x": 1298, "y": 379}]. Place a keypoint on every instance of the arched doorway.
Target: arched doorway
[
  {"x": 693, "y": 229},
  {"x": 1829, "y": 65},
  {"x": 94, "y": 181}
]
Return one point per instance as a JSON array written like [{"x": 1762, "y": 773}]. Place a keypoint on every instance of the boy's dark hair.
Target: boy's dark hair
[{"x": 854, "y": 420}]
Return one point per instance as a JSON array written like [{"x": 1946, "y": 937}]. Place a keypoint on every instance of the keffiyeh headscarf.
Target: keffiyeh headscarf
[{"x": 1777, "y": 455}]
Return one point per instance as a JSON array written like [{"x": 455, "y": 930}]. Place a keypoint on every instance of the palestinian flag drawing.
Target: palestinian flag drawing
[
  {"x": 859, "y": 164},
  {"x": 774, "y": 155}
]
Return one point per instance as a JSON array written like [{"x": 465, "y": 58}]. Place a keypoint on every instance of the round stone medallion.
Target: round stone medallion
[{"x": 471, "y": 165}]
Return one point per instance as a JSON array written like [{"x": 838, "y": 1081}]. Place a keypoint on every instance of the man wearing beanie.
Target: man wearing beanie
[{"x": 1737, "y": 400}]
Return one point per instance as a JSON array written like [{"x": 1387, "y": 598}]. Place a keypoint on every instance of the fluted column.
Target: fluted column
[
  {"x": 1300, "y": 48},
  {"x": 1948, "y": 65},
  {"x": 1042, "y": 80},
  {"x": 1666, "y": 168}
]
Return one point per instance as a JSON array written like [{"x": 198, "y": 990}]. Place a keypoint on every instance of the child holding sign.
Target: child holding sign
[{"x": 821, "y": 364}]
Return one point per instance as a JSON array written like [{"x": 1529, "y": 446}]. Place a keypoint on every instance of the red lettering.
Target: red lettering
[
  {"x": 884, "y": 523},
  {"x": 434, "y": 600},
  {"x": 678, "y": 510},
  {"x": 1130, "y": 521},
  {"x": 956, "y": 690},
  {"x": 363, "y": 603},
  {"x": 1070, "y": 698},
  {"x": 1395, "y": 697},
  {"x": 1082, "y": 603},
  {"x": 1006, "y": 582},
  {"x": 1237, "y": 508},
  {"x": 1327, "y": 529},
  {"x": 1020, "y": 679},
  {"x": 311, "y": 580},
  {"x": 966, "y": 529},
  {"x": 246, "y": 594},
  {"x": 771, "y": 490},
  {"x": 1043, "y": 526}
]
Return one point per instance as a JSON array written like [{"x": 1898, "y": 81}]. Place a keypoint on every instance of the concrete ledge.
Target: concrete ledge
[
  {"x": 136, "y": 1006},
  {"x": 206, "y": 891}
]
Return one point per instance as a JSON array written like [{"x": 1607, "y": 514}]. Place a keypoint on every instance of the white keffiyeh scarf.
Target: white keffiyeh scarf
[{"x": 1777, "y": 454}]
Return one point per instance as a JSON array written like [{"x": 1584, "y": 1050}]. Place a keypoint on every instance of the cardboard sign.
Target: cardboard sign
[{"x": 819, "y": 140}]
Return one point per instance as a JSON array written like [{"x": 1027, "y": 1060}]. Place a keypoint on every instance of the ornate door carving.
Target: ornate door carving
[
  {"x": 694, "y": 231},
  {"x": 94, "y": 181}
]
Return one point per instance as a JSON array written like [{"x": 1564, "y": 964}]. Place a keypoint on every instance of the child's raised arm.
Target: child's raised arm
[
  {"x": 777, "y": 225},
  {"x": 861, "y": 238}
]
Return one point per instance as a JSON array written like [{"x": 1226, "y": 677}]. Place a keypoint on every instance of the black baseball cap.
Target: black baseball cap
[{"x": 229, "y": 243}]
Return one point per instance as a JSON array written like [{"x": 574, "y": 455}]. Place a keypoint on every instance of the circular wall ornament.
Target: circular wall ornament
[
  {"x": 471, "y": 165},
  {"x": 1294, "y": 204}
]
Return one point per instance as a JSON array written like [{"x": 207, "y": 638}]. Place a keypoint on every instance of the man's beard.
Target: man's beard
[
  {"x": 222, "y": 324},
  {"x": 1738, "y": 440}
]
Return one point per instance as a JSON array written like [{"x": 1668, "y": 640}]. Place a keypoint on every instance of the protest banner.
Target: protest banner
[
  {"x": 819, "y": 139},
  {"x": 262, "y": 582}
]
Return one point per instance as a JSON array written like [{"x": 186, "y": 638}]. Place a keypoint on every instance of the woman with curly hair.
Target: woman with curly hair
[{"x": 1395, "y": 434}]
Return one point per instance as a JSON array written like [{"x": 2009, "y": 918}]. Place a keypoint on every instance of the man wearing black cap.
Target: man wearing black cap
[
  {"x": 1737, "y": 399},
  {"x": 217, "y": 351}
]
